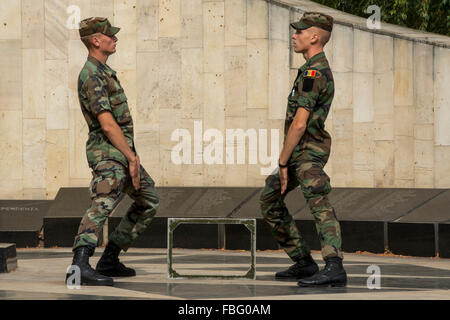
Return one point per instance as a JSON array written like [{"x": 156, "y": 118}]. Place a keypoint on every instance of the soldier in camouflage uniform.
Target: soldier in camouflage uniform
[
  {"x": 305, "y": 152},
  {"x": 112, "y": 156}
]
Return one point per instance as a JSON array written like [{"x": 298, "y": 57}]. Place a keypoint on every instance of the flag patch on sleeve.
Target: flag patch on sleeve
[{"x": 310, "y": 73}]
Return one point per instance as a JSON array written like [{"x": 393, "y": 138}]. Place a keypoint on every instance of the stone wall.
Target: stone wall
[{"x": 222, "y": 65}]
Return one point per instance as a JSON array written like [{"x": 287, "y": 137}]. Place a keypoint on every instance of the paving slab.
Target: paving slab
[{"x": 41, "y": 272}]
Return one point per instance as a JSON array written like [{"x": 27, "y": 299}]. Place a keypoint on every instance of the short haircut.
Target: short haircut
[
  {"x": 324, "y": 35},
  {"x": 87, "y": 40}
]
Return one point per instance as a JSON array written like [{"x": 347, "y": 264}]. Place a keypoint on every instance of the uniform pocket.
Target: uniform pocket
[
  {"x": 119, "y": 106},
  {"x": 117, "y": 97},
  {"x": 99, "y": 186},
  {"x": 108, "y": 179}
]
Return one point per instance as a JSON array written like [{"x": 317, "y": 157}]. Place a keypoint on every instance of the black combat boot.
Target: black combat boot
[
  {"x": 88, "y": 275},
  {"x": 304, "y": 267},
  {"x": 109, "y": 264},
  {"x": 332, "y": 275}
]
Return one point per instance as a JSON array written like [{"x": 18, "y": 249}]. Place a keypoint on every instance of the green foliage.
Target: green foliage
[{"x": 425, "y": 15}]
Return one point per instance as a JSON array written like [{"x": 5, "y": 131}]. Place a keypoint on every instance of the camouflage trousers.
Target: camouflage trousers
[
  {"x": 110, "y": 180},
  {"x": 315, "y": 184}
]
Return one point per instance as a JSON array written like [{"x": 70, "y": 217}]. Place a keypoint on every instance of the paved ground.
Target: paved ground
[{"x": 41, "y": 272}]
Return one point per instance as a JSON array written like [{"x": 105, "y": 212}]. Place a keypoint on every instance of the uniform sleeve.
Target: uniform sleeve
[
  {"x": 97, "y": 95},
  {"x": 309, "y": 89}
]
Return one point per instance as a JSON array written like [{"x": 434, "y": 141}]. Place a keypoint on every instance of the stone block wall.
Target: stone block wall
[{"x": 221, "y": 64}]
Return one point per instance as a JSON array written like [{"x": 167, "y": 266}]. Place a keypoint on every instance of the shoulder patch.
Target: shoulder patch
[{"x": 310, "y": 73}]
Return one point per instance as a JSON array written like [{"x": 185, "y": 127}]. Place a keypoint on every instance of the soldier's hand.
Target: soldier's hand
[
  {"x": 135, "y": 172},
  {"x": 283, "y": 173}
]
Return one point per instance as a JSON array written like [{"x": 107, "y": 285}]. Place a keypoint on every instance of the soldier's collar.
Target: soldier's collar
[
  {"x": 315, "y": 58},
  {"x": 102, "y": 66}
]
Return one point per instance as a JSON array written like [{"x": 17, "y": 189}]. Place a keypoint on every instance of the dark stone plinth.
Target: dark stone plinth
[
  {"x": 155, "y": 236},
  {"x": 307, "y": 229},
  {"x": 70, "y": 202},
  {"x": 237, "y": 237},
  {"x": 357, "y": 236},
  {"x": 444, "y": 240},
  {"x": 433, "y": 207},
  {"x": 362, "y": 236},
  {"x": 412, "y": 239},
  {"x": 21, "y": 221},
  {"x": 73, "y": 202},
  {"x": 22, "y": 239},
  {"x": 371, "y": 204},
  {"x": 197, "y": 202},
  {"x": 20, "y": 215},
  {"x": 64, "y": 216},
  {"x": 196, "y": 236},
  {"x": 250, "y": 206},
  {"x": 8, "y": 258},
  {"x": 361, "y": 211},
  {"x": 264, "y": 237},
  {"x": 61, "y": 231}
]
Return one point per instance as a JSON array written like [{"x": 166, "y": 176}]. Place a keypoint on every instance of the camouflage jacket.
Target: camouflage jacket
[
  {"x": 313, "y": 90},
  {"x": 100, "y": 90}
]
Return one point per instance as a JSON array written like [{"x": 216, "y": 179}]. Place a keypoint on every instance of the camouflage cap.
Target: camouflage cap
[
  {"x": 97, "y": 25},
  {"x": 314, "y": 19}
]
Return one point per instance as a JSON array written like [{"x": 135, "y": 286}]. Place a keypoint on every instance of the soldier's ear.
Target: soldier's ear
[
  {"x": 95, "y": 40},
  {"x": 315, "y": 38},
  {"x": 315, "y": 35}
]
